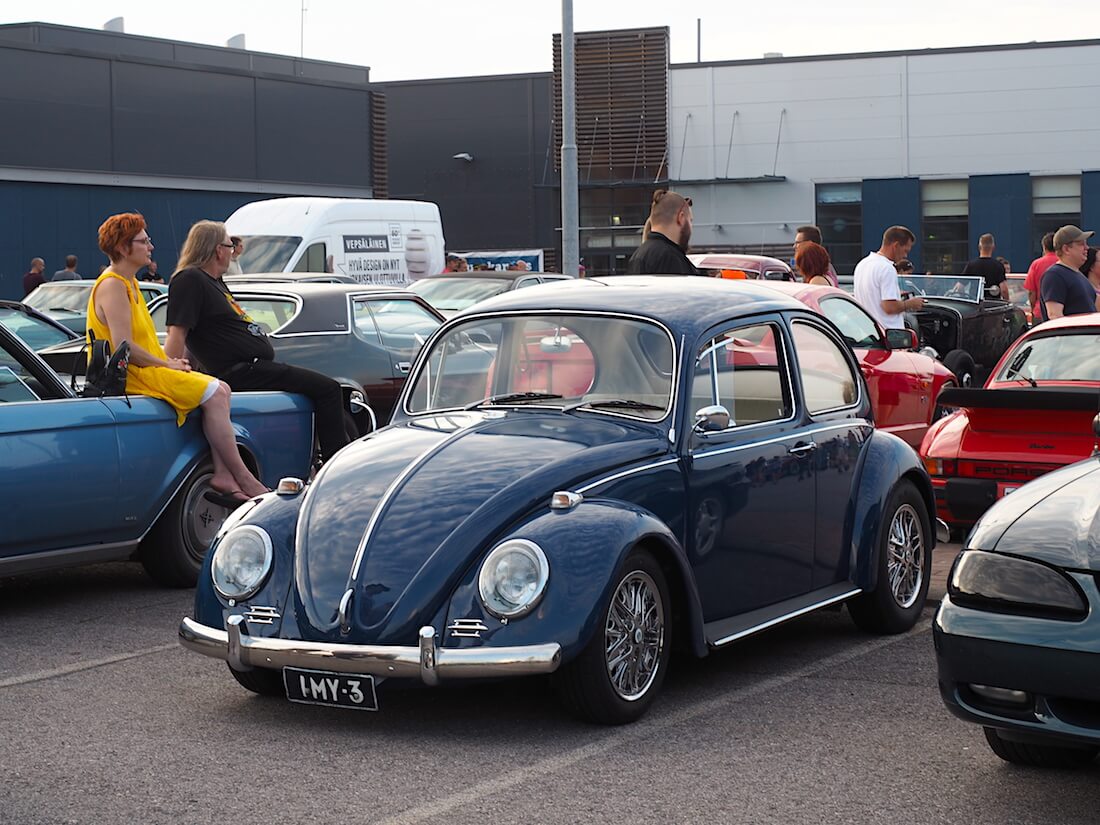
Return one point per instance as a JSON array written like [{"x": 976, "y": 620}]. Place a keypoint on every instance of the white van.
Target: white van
[{"x": 372, "y": 241}]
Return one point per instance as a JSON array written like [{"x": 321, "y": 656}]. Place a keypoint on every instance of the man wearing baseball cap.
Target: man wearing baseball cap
[{"x": 1065, "y": 291}]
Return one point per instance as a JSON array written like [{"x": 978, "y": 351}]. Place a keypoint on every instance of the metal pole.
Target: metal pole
[
  {"x": 302, "y": 32},
  {"x": 698, "y": 39},
  {"x": 570, "y": 232}
]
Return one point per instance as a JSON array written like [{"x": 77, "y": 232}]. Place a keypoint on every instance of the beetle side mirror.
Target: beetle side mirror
[
  {"x": 712, "y": 419},
  {"x": 901, "y": 339}
]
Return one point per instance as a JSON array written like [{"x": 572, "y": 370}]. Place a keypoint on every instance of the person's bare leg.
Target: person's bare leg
[{"x": 230, "y": 472}]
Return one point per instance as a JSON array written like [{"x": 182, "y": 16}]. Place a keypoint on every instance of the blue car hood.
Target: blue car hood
[
  {"x": 1055, "y": 519},
  {"x": 400, "y": 516}
]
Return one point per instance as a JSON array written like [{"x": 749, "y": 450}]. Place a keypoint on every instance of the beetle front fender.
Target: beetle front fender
[
  {"x": 584, "y": 547},
  {"x": 888, "y": 460}
]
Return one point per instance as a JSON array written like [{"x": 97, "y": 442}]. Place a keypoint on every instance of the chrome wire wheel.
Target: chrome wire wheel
[
  {"x": 634, "y": 636},
  {"x": 905, "y": 562}
]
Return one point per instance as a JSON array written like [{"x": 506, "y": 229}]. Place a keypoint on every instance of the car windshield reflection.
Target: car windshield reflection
[
  {"x": 1073, "y": 357},
  {"x": 957, "y": 287},
  {"x": 591, "y": 363}
]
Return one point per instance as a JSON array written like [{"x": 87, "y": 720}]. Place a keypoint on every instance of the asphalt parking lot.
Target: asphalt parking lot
[{"x": 107, "y": 720}]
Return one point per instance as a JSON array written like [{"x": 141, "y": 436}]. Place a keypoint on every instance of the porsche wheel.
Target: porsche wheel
[
  {"x": 264, "y": 681},
  {"x": 904, "y": 566},
  {"x": 1039, "y": 756},
  {"x": 173, "y": 551},
  {"x": 619, "y": 673}
]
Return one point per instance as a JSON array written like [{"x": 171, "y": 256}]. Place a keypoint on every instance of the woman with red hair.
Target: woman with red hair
[
  {"x": 812, "y": 261},
  {"x": 117, "y": 313}
]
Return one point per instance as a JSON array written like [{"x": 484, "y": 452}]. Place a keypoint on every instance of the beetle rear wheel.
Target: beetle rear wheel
[{"x": 619, "y": 673}]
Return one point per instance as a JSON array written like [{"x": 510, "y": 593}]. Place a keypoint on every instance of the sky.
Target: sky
[{"x": 461, "y": 38}]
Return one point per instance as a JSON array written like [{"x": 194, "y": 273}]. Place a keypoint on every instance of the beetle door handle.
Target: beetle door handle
[
  {"x": 404, "y": 366},
  {"x": 802, "y": 449}
]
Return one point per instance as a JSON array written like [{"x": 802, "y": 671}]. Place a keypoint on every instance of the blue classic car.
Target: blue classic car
[
  {"x": 579, "y": 477},
  {"x": 103, "y": 479},
  {"x": 1018, "y": 635}
]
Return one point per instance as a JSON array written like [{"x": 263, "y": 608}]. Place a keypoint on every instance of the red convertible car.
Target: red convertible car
[
  {"x": 1034, "y": 415},
  {"x": 904, "y": 384}
]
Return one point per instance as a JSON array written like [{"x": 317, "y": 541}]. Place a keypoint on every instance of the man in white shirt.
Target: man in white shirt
[{"x": 876, "y": 280}]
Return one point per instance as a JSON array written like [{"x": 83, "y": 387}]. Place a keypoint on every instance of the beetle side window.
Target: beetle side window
[
  {"x": 828, "y": 381},
  {"x": 743, "y": 371},
  {"x": 854, "y": 323}
]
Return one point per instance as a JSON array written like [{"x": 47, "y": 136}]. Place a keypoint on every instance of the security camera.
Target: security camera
[{"x": 466, "y": 156}]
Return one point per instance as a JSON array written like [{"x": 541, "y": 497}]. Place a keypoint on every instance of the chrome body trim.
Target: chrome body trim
[
  {"x": 467, "y": 628},
  {"x": 794, "y": 434},
  {"x": 733, "y": 637},
  {"x": 425, "y": 661},
  {"x": 260, "y": 614},
  {"x": 624, "y": 473},
  {"x": 565, "y": 500}
]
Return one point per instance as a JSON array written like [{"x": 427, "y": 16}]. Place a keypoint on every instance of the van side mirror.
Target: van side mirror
[{"x": 901, "y": 339}]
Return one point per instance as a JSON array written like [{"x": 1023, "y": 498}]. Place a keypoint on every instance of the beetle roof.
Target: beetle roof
[{"x": 681, "y": 302}]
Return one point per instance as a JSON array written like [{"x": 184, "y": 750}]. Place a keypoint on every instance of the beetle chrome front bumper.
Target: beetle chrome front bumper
[{"x": 427, "y": 661}]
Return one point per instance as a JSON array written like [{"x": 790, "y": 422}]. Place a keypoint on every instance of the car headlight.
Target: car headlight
[
  {"x": 1011, "y": 584},
  {"x": 513, "y": 578},
  {"x": 241, "y": 562}
]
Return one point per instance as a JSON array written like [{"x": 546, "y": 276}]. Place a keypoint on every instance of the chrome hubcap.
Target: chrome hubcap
[
  {"x": 905, "y": 556},
  {"x": 634, "y": 635},
  {"x": 201, "y": 518}
]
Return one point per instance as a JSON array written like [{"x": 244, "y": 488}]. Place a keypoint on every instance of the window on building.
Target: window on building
[
  {"x": 945, "y": 225},
  {"x": 611, "y": 219},
  {"x": 839, "y": 214},
  {"x": 1055, "y": 201}
]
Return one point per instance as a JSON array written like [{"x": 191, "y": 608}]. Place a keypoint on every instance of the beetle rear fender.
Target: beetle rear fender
[
  {"x": 585, "y": 547},
  {"x": 889, "y": 461}
]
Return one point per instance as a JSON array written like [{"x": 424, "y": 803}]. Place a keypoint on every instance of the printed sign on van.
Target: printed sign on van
[{"x": 371, "y": 259}]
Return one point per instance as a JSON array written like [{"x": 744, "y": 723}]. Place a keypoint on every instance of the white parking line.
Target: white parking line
[
  {"x": 639, "y": 730},
  {"x": 76, "y": 667}
]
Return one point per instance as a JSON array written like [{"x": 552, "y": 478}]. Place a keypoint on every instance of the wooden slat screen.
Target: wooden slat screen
[
  {"x": 621, "y": 103},
  {"x": 379, "y": 156}
]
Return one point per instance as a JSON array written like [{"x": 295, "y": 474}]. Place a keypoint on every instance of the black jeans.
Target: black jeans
[{"x": 327, "y": 397}]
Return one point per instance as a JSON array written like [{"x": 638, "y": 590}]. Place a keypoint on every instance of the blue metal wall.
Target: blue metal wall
[
  {"x": 52, "y": 220},
  {"x": 888, "y": 202},
  {"x": 1001, "y": 204},
  {"x": 1090, "y": 204}
]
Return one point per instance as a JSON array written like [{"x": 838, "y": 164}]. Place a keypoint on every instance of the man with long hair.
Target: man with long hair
[{"x": 205, "y": 318}]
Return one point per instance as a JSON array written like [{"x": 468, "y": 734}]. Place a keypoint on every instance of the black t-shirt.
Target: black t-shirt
[
  {"x": 220, "y": 333},
  {"x": 992, "y": 270},
  {"x": 659, "y": 256},
  {"x": 1069, "y": 288}
]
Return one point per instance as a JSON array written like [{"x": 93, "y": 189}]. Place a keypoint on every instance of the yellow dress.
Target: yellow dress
[{"x": 183, "y": 390}]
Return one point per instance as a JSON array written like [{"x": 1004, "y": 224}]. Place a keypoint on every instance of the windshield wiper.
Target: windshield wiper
[
  {"x": 511, "y": 398},
  {"x": 621, "y": 403},
  {"x": 1018, "y": 364}
]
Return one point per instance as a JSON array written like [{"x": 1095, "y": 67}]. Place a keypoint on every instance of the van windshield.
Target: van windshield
[{"x": 267, "y": 253}]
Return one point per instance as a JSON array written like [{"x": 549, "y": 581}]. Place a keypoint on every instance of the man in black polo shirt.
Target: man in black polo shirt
[
  {"x": 1065, "y": 291},
  {"x": 662, "y": 253},
  {"x": 205, "y": 318},
  {"x": 996, "y": 285}
]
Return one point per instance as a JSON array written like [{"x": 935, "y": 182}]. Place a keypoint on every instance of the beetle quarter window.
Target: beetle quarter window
[
  {"x": 828, "y": 381},
  {"x": 743, "y": 371}
]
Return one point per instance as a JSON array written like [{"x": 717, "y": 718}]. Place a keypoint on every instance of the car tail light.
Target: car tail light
[{"x": 940, "y": 466}]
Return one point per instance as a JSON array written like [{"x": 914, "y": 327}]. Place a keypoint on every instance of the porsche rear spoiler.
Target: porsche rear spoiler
[{"x": 1084, "y": 399}]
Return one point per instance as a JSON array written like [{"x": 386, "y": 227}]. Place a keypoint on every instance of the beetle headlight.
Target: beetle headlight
[
  {"x": 513, "y": 578},
  {"x": 998, "y": 582},
  {"x": 241, "y": 562}
]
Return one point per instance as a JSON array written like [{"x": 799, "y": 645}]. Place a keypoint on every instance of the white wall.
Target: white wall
[{"x": 956, "y": 114}]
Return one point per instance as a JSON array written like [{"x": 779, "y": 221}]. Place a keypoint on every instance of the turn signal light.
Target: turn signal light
[{"x": 941, "y": 466}]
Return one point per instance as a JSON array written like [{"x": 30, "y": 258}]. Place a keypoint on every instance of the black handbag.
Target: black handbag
[{"x": 106, "y": 374}]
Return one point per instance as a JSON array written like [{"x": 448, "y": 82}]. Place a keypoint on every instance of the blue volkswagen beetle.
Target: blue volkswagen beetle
[
  {"x": 105, "y": 479},
  {"x": 578, "y": 478}
]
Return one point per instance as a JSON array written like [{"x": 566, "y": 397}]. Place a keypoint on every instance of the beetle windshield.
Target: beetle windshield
[
  {"x": 1070, "y": 357},
  {"x": 596, "y": 363}
]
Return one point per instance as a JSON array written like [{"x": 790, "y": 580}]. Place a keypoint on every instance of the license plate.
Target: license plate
[{"x": 320, "y": 687}]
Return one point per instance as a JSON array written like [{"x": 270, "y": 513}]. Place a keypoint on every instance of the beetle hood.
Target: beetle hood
[
  {"x": 1055, "y": 519},
  {"x": 399, "y": 517}
]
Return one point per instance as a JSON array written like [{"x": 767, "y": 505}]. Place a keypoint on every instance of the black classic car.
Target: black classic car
[
  {"x": 1018, "y": 635},
  {"x": 960, "y": 324},
  {"x": 363, "y": 336}
]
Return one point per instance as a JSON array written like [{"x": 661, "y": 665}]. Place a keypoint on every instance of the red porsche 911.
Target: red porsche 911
[{"x": 1034, "y": 415}]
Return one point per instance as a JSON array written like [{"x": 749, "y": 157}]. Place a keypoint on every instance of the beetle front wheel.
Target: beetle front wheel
[{"x": 619, "y": 673}]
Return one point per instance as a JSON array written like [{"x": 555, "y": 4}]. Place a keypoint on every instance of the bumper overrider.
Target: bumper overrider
[{"x": 427, "y": 661}]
